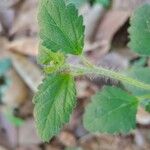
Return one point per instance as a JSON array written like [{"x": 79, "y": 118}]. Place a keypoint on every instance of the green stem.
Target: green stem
[
  {"x": 86, "y": 62},
  {"x": 143, "y": 97},
  {"x": 81, "y": 70}
]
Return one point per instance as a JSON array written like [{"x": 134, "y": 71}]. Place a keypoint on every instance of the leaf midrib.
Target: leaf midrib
[
  {"x": 47, "y": 119},
  {"x": 58, "y": 27},
  {"x": 116, "y": 109}
]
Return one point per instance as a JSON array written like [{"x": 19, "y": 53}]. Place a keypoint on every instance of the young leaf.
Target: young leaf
[
  {"x": 112, "y": 110},
  {"x": 54, "y": 103},
  {"x": 51, "y": 61},
  {"x": 45, "y": 56},
  {"x": 140, "y": 30},
  {"x": 61, "y": 29},
  {"x": 141, "y": 74}
]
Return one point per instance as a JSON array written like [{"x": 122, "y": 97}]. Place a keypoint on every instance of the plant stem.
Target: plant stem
[
  {"x": 143, "y": 97},
  {"x": 86, "y": 62},
  {"x": 81, "y": 70}
]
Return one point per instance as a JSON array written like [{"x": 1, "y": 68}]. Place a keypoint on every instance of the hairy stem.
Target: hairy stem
[{"x": 81, "y": 70}]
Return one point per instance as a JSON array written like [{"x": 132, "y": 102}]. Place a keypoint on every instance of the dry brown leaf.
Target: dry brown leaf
[
  {"x": 7, "y": 18},
  {"x": 142, "y": 138},
  {"x": 26, "y": 46},
  {"x": 17, "y": 92},
  {"x": 91, "y": 46},
  {"x": 4, "y": 4},
  {"x": 143, "y": 117},
  {"x": 107, "y": 142},
  {"x": 28, "y": 5},
  {"x": 85, "y": 89},
  {"x": 127, "y": 53},
  {"x": 112, "y": 21},
  {"x": 51, "y": 147},
  {"x": 3, "y": 137},
  {"x": 98, "y": 52},
  {"x": 25, "y": 21},
  {"x": 75, "y": 120},
  {"x": 82, "y": 86},
  {"x": 28, "y": 147},
  {"x": 2, "y": 148},
  {"x": 26, "y": 110},
  {"x": 67, "y": 139},
  {"x": 10, "y": 130},
  {"x": 91, "y": 20},
  {"x": 113, "y": 61},
  {"x": 29, "y": 72},
  {"x": 25, "y": 24},
  {"x": 3, "y": 48},
  {"x": 27, "y": 133}
]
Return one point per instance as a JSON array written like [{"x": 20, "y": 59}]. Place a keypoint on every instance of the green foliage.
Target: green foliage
[
  {"x": 4, "y": 84},
  {"x": 45, "y": 56},
  {"x": 51, "y": 61},
  {"x": 111, "y": 110},
  {"x": 54, "y": 103},
  {"x": 105, "y": 3},
  {"x": 141, "y": 74},
  {"x": 5, "y": 65},
  {"x": 16, "y": 121},
  {"x": 77, "y": 3},
  {"x": 140, "y": 30},
  {"x": 146, "y": 104},
  {"x": 141, "y": 62},
  {"x": 61, "y": 29}
]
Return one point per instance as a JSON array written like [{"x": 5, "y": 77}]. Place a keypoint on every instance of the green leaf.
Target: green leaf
[
  {"x": 105, "y": 3},
  {"x": 51, "y": 61},
  {"x": 61, "y": 29},
  {"x": 140, "y": 30},
  {"x": 54, "y": 103},
  {"x": 45, "y": 55},
  {"x": 77, "y": 3},
  {"x": 146, "y": 104},
  {"x": 141, "y": 62},
  {"x": 16, "y": 121},
  {"x": 140, "y": 74},
  {"x": 112, "y": 110},
  {"x": 5, "y": 65}
]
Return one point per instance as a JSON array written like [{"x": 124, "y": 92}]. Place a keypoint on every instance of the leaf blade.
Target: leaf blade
[
  {"x": 53, "y": 104},
  {"x": 105, "y": 3},
  {"x": 140, "y": 74},
  {"x": 61, "y": 29},
  {"x": 113, "y": 111},
  {"x": 140, "y": 30},
  {"x": 77, "y": 3},
  {"x": 146, "y": 104}
]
